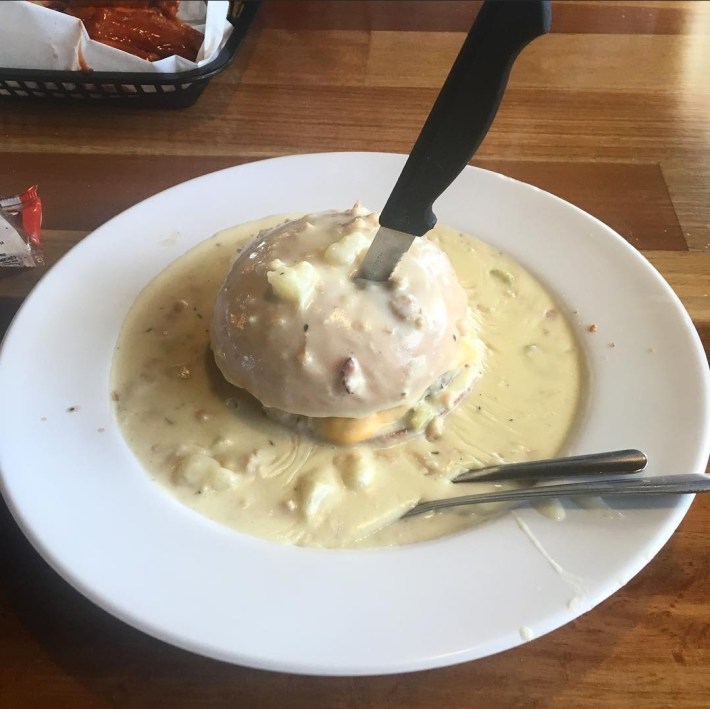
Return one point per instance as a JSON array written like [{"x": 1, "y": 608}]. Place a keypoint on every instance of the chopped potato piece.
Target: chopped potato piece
[
  {"x": 316, "y": 492},
  {"x": 296, "y": 283},
  {"x": 344, "y": 251}
]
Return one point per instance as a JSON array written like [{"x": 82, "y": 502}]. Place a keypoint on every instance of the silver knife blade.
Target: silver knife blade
[{"x": 387, "y": 248}]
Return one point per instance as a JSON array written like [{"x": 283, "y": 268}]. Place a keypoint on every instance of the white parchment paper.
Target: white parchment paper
[{"x": 34, "y": 37}]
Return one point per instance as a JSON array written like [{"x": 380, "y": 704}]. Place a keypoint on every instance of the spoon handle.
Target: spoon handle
[
  {"x": 464, "y": 109},
  {"x": 663, "y": 485},
  {"x": 623, "y": 461}
]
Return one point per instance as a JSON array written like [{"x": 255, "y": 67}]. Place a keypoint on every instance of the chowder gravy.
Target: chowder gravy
[{"x": 211, "y": 445}]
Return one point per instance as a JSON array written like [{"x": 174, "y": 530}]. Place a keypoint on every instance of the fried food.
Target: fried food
[{"x": 149, "y": 29}]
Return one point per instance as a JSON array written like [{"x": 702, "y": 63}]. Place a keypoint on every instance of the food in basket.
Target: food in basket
[{"x": 149, "y": 29}]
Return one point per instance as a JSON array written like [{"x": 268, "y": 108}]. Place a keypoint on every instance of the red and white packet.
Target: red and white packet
[{"x": 20, "y": 224}]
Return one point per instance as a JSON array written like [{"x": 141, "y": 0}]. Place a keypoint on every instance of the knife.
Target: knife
[
  {"x": 457, "y": 123},
  {"x": 661, "y": 485}
]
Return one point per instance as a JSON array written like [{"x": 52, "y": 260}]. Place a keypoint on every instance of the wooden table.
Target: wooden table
[{"x": 611, "y": 111}]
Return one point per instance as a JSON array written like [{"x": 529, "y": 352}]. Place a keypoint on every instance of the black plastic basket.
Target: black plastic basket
[{"x": 176, "y": 90}]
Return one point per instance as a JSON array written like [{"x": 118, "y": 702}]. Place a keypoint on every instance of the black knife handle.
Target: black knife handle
[{"x": 464, "y": 109}]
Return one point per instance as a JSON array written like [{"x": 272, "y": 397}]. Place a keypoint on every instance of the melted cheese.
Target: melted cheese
[{"x": 346, "y": 431}]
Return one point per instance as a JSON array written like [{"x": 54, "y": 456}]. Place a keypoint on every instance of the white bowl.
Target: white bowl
[{"x": 85, "y": 503}]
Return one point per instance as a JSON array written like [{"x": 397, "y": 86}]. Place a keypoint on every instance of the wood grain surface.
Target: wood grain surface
[{"x": 611, "y": 111}]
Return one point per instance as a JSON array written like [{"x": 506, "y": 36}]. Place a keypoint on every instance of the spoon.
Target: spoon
[
  {"x": 623, "y": 461},
  {"x": 664, "y": 485}
]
